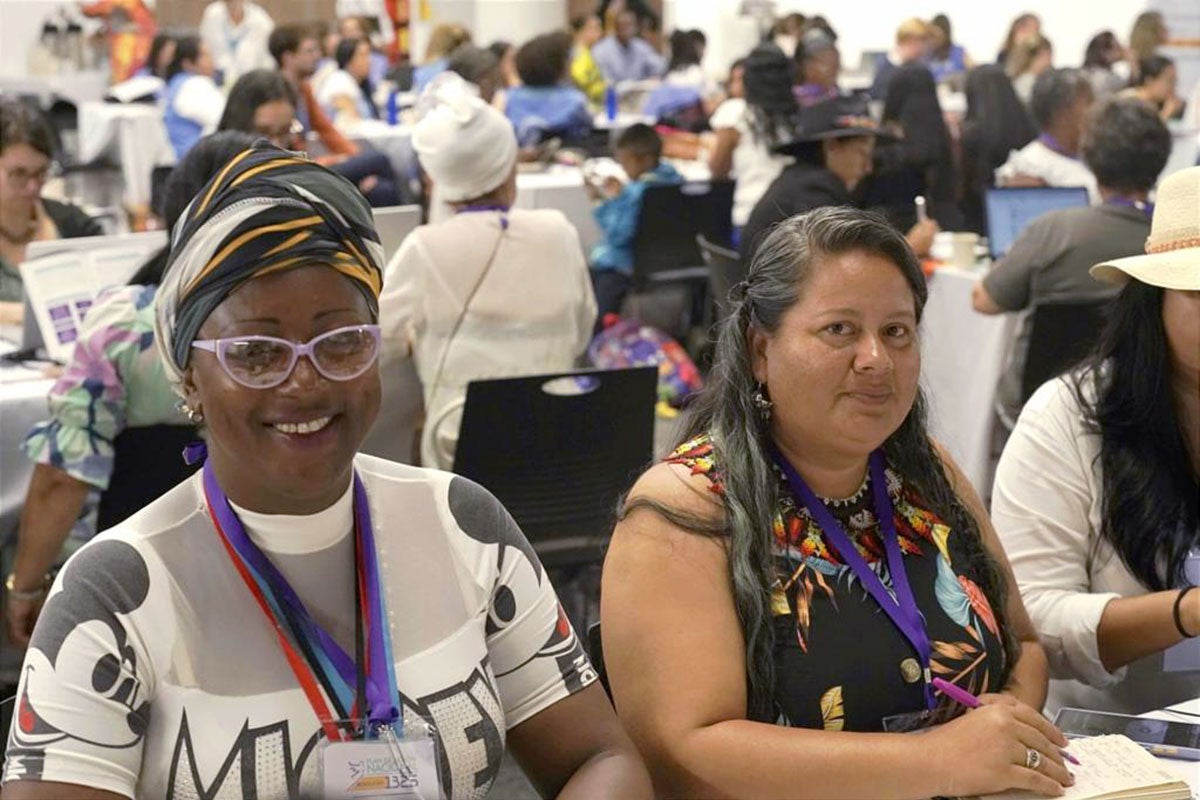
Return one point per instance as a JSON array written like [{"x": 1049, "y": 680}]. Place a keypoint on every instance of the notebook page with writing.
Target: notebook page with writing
[{"x": 1114, "y": 768}]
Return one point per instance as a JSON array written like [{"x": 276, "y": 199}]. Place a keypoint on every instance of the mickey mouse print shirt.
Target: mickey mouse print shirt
[{"x": 153, "y": 673}]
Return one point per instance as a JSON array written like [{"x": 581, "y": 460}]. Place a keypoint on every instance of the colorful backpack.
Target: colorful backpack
[{"x": 631, "y": 343}]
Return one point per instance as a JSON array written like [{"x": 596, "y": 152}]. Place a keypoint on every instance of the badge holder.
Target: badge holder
[{"x": 386, "y": 765}]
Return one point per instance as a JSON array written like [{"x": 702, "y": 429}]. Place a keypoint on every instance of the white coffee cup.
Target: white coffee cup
[{"x": 962, "y": 249}]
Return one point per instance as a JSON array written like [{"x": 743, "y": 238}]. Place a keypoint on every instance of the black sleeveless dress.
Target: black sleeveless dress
[{"x": 840, "y": 662}]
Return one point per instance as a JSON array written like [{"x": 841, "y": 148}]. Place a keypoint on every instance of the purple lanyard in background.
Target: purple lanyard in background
[
  {"x": 1054, "y": 145},
  {"x": 503, "y": 211},
  {"x": 1143, "y": 206},
  {"x": 902, "y": 609}
]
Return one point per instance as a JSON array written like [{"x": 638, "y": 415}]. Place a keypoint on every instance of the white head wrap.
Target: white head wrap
[{"x": 467, "y": 147}]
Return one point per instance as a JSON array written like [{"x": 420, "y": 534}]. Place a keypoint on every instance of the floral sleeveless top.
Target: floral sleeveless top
[{"x": 840, "y": 661}]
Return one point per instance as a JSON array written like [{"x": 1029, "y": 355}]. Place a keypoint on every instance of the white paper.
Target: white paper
[
  {"x": 62, "y": 287},
  {"x": 1110, "y": 766}
]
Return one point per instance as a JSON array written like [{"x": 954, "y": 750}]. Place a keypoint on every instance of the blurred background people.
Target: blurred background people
[
  {"x": 346, "y": 94},
  {"x": 588, "y": 30},
  {"x": 624, "y": 55},
  {"x": 444, "y": 40},
  {"x": 236, "y": 33},
  {"x": 817, "y": 65},
  {"x": 193, "y": 103},
  {"x": 1025, "y": 26},
  {"x": 1027, "y": 60},
  {"x": 1104, "y": 53},
  {"x": 28, "y": 147},
  {"x": 946, "y": 59},
  {"x": 1156, "y": 84},
  {"x": 546, "y": 103}
]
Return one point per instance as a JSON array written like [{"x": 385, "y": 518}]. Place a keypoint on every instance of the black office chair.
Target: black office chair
[
  {"x": 147, "y": 462},
  {"x": 559, "y": 460},
  {"x": 725, "y": 270},
  {"x": 665, "y": 249},
  {"x": 1060, "y": 335}
]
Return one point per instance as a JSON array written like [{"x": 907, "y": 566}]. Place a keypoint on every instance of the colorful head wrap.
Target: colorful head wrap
[{"x": 267, "y": 210}]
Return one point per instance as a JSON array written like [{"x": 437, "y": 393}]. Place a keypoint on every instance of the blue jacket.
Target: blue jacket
[
  {"x": 537, "y": 110},
  {"x": 618, "y": 220},
  {"x": 182, "y": 131}
]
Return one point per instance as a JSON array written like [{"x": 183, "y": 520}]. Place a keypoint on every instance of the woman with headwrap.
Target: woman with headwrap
[
  {"x": 294, "y": 608},
  {"x": 748, "y": 130},
  {"x": 490, "y": 292},
  {"x": 111, "y": 401}
]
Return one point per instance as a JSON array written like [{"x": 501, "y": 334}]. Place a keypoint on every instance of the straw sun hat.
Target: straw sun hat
[{"x": 1172, "y": 258}]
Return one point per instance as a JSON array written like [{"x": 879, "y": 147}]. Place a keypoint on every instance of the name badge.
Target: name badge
[{"x": 384, "y": 767}]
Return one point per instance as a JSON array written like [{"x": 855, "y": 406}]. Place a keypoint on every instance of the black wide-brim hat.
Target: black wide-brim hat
[{"x": 837, "y": 118}]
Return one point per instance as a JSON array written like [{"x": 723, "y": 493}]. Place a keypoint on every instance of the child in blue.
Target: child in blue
[{"x": 639, "y": 152}]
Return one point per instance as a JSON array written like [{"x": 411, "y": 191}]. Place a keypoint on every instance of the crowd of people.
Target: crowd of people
[{"x": 258, "y": 616}]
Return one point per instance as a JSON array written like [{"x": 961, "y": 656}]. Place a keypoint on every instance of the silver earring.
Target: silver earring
[
  {"x": 193, "y": 414},
  {"x": 762, "y": 403}
]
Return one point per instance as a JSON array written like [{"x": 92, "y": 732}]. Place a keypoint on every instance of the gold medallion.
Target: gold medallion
[{"x": 910, "y": 670}]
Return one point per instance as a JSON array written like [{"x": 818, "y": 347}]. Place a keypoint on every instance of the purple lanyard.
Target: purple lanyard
[
  {"x": 370, "y": 678},
  {"x": 1054, "y": 145},
  {"x": 476, "y": 209},
  {"x": 1141, "y": 205},
  {"x": 902, "y": 609}
]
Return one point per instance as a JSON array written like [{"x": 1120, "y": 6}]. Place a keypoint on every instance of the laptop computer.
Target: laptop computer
[
  {"x": 394, "y": 224},
  {"x": 1010, "y": 210}
]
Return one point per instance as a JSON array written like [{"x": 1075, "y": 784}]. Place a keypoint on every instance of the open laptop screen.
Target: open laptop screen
[{"x": 1010, "y": 210}]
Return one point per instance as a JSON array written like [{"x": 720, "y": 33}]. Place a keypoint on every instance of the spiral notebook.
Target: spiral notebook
[{"x": 1114, "y": 768}]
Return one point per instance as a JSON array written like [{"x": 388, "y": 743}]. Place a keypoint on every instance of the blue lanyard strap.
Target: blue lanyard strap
[
  {"x": 365, "y": 685},
  {"x": 901, "y": 609}
]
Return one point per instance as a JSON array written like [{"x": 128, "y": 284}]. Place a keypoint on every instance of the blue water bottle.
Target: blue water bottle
[
  {"x": 610, "y": 102},
  {"x": 393, "y": 109}
]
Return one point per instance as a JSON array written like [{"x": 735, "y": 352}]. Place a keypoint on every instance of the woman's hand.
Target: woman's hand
[
  {"x": 986, "y": 750},
  {"x": 920, "y": 236},
  {"x": 19, "y": 618}
]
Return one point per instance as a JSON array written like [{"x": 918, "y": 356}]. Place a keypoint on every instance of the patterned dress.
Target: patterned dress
[
  {"x": 839, "y": 659},
  {"x": 115, "y": 380}
]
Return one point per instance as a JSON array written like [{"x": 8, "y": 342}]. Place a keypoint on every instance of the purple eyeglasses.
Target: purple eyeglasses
[{"x": 261, "y": 362}]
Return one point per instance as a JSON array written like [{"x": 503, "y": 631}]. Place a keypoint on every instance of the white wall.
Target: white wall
[
  {"x": 21, "y": 25},
  {"x": 871, "y": 24},
  {"x": 488, "y": 20}
]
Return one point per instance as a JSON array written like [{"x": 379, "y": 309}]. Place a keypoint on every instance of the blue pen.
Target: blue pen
[{"x": 965, "y": 698}]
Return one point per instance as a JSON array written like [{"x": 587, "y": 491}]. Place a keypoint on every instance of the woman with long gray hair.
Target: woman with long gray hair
[{"x": 818, "y": 565}]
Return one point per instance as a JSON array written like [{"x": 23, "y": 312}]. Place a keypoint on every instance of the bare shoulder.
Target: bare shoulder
[{"x": 648, "y": 538}]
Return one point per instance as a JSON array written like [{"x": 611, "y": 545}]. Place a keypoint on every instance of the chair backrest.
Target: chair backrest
[
  {"x": 394, "y": 224},
  {"x": 147, "y": 462},
  {"x": 558, "y": 451},
  {"x": 1060, "y": 335},
  {"x": 672, "y": 216},
  {"x": 724, "y": 270}
]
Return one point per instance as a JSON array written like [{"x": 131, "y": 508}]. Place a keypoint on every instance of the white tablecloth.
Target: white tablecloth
[
  {"x": 561, "y": 188},
  {"x": 77, "y": 87},
  {"x": 133, "y": 135},
  {"x": 962, "y": 356}
]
